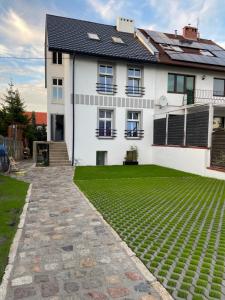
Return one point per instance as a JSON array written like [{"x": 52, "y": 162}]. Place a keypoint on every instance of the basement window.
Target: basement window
[
  {"x": 93, "y": 36},
  {"x": 117, "y": 40},
  {"x": 206, "y": 53}
]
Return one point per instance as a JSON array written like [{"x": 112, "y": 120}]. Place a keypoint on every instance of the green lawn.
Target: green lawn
[
  {"x": 12, "y": 197},
  {"x": 174, "y": 221}
]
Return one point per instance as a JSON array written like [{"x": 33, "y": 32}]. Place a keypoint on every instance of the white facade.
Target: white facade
[{"x": 88, "y": 102}]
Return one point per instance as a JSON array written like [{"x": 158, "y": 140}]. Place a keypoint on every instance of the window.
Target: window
[
  {"x": 219, "y": 87},
  {"x": 206, "y": 53},
  {"x": 105, "y": 123},
  {"x": 57, "y": 58},
  {"x": 133, "y": 124},
  {"x": 93, "y": 36},
  {"x": 180, "y": 84},
  {"x": 105, "y": 79},
  {"x": 117, "y": 40},
  {"x": 57, "y": 88},
  {"x": 134, "y": 82}
]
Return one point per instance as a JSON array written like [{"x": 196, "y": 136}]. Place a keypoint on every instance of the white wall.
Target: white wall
[
  {"x": 86, "y": 142},
  {"x": 193, "y": 160}
]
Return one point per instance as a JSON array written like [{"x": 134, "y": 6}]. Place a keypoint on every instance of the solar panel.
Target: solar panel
[
  {"x": 190, "y": 57},
  {"x": 161, "y": 38}
]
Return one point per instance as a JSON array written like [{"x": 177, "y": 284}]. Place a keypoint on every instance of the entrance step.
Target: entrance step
[{"x": 58, "y": 155}]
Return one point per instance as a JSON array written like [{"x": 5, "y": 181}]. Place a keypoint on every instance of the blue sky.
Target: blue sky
[{"x": 22, "y": 31}]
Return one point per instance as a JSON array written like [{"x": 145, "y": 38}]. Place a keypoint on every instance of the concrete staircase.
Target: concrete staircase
[{"x": 58, "y": 155}]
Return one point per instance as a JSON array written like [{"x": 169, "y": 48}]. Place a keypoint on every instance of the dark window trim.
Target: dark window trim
[
  {"x": 175, "y": 83},
  {"x": 223, "y": 87}
]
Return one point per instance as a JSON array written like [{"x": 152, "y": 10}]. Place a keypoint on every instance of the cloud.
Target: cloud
[
  {"x": 15, "y": 28},
  {"x": 108, "y": 10}
]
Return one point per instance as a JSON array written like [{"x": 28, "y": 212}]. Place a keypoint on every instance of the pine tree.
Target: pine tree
[{"x": 13, "y": 107}]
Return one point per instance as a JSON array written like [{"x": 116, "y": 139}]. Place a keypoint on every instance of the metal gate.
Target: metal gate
[{"x": 218, "y": 149}]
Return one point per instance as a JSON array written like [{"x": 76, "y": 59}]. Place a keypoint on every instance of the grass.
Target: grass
[
  {"x": 12, "y": 196},
  {"x": 174, "y": 221}
]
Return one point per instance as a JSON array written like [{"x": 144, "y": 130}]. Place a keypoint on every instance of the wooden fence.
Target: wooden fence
[
  {"x": 14, "y": 147},
  {"x": 218, "y": 149}
]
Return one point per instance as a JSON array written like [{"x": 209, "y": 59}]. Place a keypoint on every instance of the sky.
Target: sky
[{"x": 22, "y": 30}]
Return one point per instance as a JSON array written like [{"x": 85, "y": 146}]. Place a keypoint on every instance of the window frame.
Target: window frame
[
  {"x": 57, "y": 99},
  {"x": 217, "y": 78},
  {"x": 105, "y": 119},
  {"x": 104, "y": 90},
  {"x": 57, "y": 58},
  {"x": 175, "y": 83},
  {"x": 139, "y": 120},
  {"x": 141, "y": 80}
]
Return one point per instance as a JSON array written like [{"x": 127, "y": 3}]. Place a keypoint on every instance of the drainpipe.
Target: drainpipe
[{"x": 73, "y": 115}]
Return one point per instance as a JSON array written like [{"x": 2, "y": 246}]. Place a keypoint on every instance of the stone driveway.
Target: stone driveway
[{"x": 67, "y": 251}]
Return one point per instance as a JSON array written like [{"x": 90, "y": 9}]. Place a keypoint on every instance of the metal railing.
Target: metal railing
[
  {"x": 106, "y": 88},
  {"x": 134, "y": 91},
  {"x": 135, "y": 133},
  {"x": 100, "y": 132}
]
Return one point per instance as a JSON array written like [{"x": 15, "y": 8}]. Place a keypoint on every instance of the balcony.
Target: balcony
[
  {"x": 105, "y": 133},
  {"x": 203, "y": 97},
  {"x": 135, "y": 133},
  {"x": 104, "y": 88},
  {"x": 134, "y": 91}
]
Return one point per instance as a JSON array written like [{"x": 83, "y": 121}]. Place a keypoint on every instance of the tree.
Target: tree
[{"x": 12, "y": 110}]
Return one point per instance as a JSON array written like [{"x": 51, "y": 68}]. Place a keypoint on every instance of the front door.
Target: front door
[{"x": 57, "y": 127}]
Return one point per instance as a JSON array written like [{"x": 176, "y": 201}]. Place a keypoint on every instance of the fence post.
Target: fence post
[
  {"x": 167, "y": 118},
  {"x": 185, "y": 125},
  {"x": 210, "y": 124}
]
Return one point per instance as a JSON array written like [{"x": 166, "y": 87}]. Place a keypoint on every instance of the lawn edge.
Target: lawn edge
[
  {"x": 14, "y": 246},
  {"x": 158, "y": 287}
]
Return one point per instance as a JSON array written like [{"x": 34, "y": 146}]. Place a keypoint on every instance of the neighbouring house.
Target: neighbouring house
[
  {"x": 110, "y": 88},
  {"x": 40, "y": 117}
]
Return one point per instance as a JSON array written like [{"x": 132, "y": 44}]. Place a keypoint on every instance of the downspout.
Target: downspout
[{"x": 73, "y": 115}]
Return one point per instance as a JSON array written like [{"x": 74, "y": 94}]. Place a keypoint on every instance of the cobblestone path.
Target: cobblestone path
[{"x": 67, "y": 251}]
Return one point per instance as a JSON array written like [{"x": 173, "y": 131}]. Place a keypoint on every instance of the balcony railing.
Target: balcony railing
[
  {"x": 208, "y": 96},
  {"x": 107, "y": 133},
  {"x": 106, "y": 88},
  {"x": 135, "y": 133},
  {"x": 135, "y": 91}
]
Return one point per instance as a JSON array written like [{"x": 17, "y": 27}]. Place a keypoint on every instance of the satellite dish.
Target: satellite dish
[{"x": 163, "y": 101}]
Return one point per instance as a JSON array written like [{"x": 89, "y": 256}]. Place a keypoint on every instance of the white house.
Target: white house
[{"x": 108, "y": 87}]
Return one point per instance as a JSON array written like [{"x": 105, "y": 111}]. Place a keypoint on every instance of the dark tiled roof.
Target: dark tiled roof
[{"x": 70, "y": 35}]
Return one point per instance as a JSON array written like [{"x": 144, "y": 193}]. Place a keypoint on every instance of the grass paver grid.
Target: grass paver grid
[{"x": 175, "y": 223}]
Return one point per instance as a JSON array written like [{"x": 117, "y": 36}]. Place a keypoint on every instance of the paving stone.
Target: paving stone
[
  {"x": 143, "y": 287},
  {"x": 41, "y": 278},
  {"x": 68, "y": 248},
  {"x": 134, "y": 276},
  {"x": 117, "y": 292},
  {"x": 91, "y": 283},
  {"x": 97, "y": 296},
  {"x": 22, "y": 280},
  {"x": 113, "y": 279},
  {"x": 49, "y": 289},
  {"x": 71, "y": 287},
  {"x": 87, "y": 262},
  {"x": 51, "y": 267},
  {"x": 24, "y": 292}
]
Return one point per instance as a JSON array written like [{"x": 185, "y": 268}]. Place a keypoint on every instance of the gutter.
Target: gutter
[{"x": 73, "y": 106}]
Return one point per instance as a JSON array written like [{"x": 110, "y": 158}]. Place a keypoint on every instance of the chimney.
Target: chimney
[
  {"x": 190, "y": 32},
  {"x": 124, "y": 25}
]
